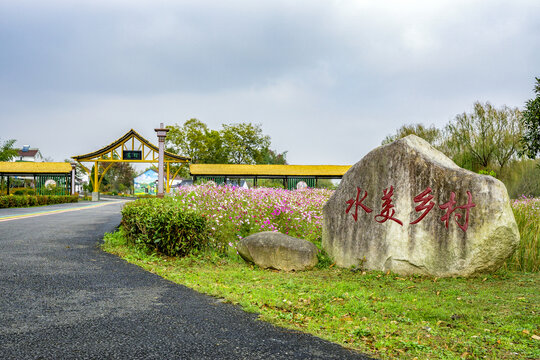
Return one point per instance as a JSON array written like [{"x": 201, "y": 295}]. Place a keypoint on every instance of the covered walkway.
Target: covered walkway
[
  {"x": 290, "y": 174},
  {"x": 60, "y": 172}
]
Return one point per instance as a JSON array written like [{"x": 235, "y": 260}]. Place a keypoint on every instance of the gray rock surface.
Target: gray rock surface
[
  {"x": 407, "y": 208},
  {"x": 275, "y": 250}
]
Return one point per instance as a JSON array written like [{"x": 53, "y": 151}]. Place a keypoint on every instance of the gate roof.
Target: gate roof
[{"x": 106, "y": 153}]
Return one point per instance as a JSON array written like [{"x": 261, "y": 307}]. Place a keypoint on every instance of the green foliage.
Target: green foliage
[
  {"x": 324, "y": 260},
  {"x": 523, "y": 178},
  {"x": 485, "y": 138},
  {"x": 531, "y": 124},
  {"x": 272, "y": 157},
  {"x": 161, "y": 225},
  {"x": 196, "y": 140},
  {"x": 485, "y": 172},
  {"x": 431, "y": 134},
  {"x": 242, "y": 143},
  {"x": 7, "y": 153},
  {"x": 118, "y": 178},
  {"x": 9, "y": 201},
  {"x": 326, "y": 184},
  {"x": 526, "y": 258}
]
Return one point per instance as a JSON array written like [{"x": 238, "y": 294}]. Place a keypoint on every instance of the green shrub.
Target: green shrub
[
  {"x": 161, "y": 225},
  {"x": 8, "y": 201},
  {"x": 145, "y": 196},
  {"x": 32, "y": 201},
  {"x": 20, "y": 201},
  {"x": 485, "y": 172},
  {"x": 18, "y": 192},
  {"x": 42, "y": 199}
]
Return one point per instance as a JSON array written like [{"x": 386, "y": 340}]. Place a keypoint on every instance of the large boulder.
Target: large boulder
[
  {"x": 407, "y": 208},
  {"x": 275, "y": 250}
]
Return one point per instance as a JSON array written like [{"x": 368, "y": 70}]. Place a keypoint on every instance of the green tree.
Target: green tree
[
  {"x": 486, "y": 138},
  {"x": 244, "y": 143},
  {"x": 119, "y": 177},
  {"x": 196, "y": 140},
  {"x": 7, "y": 152},
  {"x": 273, "y": 157},
  {"x": 531, "y": 124},
  {"x": 431, "y": 134}
]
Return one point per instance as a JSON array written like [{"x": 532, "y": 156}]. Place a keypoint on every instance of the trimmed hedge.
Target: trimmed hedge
[
  {"x": 9, "y": 201},
  {"x": 162, "y": 225}
]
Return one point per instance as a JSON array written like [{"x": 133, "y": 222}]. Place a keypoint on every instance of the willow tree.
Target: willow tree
[
  {"x": 486, "y": 138},
  {"x": 431, "y": 134}
]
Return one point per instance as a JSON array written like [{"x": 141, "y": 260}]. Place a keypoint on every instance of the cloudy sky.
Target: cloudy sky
[{"x": 327, "y": 80}]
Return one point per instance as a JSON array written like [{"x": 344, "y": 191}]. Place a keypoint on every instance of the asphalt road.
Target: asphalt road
[{"x": 61, "y": 297}]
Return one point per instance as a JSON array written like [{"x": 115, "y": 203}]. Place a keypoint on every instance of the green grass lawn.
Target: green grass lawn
[{"x": 387, "y": 316}]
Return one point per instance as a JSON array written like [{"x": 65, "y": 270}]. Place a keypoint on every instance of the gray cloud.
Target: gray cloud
[{"x": 327, "y": 80}]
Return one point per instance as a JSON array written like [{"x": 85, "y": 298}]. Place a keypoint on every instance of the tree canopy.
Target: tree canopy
[
  {"x": 485, "y": 138},
  {"x": 531, "y": 124},
  {"x": 7, "y": 152},
  {"x": 431, "y": 134},
  {"x": 242, "y": 143}
]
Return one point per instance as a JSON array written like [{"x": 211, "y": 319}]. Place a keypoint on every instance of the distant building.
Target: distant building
[{"x": 28, "y": 154}]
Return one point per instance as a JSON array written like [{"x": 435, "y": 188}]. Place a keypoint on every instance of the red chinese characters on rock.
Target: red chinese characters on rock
[
  {"x": 425, "y": 206},
  {"x": 387, "y": 213},
  {"x": 450, "y": 209},
  {"x": 351, "y": 202}
]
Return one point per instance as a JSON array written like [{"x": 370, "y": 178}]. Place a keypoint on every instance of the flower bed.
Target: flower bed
[{"x": 234, "y": 212}]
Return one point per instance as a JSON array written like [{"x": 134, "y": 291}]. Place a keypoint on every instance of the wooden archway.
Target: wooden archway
[{"x": 132, "y": 148}]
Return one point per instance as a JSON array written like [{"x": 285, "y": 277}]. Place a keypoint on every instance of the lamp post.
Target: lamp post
[
  {"x": 73, "y": 169},
  {"x": 161, "y": 133}
]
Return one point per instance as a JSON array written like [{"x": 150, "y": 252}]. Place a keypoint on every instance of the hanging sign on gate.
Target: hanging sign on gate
[{"x": 132, "y": 155}]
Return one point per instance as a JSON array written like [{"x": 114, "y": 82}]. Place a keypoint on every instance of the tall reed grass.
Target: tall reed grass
[{"x": 527, "y": 255}]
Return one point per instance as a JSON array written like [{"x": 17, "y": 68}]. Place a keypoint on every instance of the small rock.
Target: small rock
[{"x": 275, "y": 250}]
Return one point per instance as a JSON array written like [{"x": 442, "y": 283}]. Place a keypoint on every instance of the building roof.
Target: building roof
[
  {"x": 30, "y": 152},
  {"x": 268, "y": 170},
  {"x": 16, "y": 168}
]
